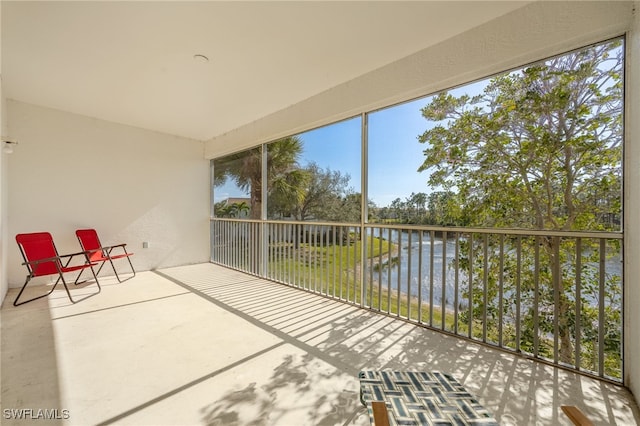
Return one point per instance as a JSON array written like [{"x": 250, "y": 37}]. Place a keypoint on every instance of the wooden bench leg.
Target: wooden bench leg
[
  {"x": 576, "y": 416},
  {"x": 380, "y": 414}
]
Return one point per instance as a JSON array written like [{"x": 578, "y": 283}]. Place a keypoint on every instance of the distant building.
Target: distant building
[
  {"x": 237, "y": 200},
  {"x": 236, "y": 207}
]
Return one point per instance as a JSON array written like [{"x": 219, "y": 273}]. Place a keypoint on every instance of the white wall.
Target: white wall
[
  {"x": 3, "y": 199},
  {"x": 132, "y": 185},
  {"x": 3, "y": 190},
  {"x": 632, "y": 209}
]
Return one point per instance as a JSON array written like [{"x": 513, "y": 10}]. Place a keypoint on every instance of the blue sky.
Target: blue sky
[{"x": 395, "y": 154}]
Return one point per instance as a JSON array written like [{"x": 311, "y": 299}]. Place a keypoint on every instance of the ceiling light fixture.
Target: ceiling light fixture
[
  {"x": 201, "y": 58},
  {"x": 7, "y": 146}
]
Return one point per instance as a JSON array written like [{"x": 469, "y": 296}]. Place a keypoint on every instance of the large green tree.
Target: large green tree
[
  {"x": 322, "y": 193},
  {"x": 539, "y": 148}
]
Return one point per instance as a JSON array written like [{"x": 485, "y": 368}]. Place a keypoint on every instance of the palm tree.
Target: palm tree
[
  {"x": 245, "y": 169},
  {"x": 240, "y": 208}
]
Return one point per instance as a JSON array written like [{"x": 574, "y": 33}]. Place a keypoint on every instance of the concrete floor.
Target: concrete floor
[{"x": 202, "y": 344}]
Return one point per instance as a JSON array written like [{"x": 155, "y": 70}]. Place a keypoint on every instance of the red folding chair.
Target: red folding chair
[
  {"x": 96, "y": 253},
  {"x": 41, "y": 258}
]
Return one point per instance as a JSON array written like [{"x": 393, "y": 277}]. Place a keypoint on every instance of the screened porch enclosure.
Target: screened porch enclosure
[{"x": 491, "y": 211}]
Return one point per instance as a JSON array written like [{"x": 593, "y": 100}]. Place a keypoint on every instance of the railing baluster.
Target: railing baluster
[
  {"x": 313, "y": 277},
  {"x": 300, "y": 256},
  {"x": 284, "y": 244},
  {"x": 275, "y": 270},
  {"x": 251, "y": 252},
  {"x": 313, "y": 258},
  {"x": 501, "y": 293},
  {"x": 307, "y": 257},
  {"x": 341, "y": 251},
  {"x": 357, "y": 265},
  {"x": 302, "y": 276},
  {"x": 470, "y": 331},
  {"x": 389, "y": 274},
  {"x": 431, "y": 276},
  {"x": 536, "y": 298},
  {"x": 225, "y": 240},
  {"x": 380, "y": 267},
  {"x": 244, "y": 247},
  {"x": 420, "y": 253},
  {"x": 351, "y": 263},
  {"x": 443, "y": 300},
  {"x": 281, "y": 262},
  {"x": 399, "y": 272},
  {"x": 300, "y": 268},
  {"x": 235, "y": 241},
  {"x": 485, "y": 285},
  {"x": 316, "y": 247},
  {"x": 284, "y": 250},
  {"x": 357, "y": 258},
  {"x": 601, "y": 297},
  {"x": 295, "y": 259},
  {"x": 456, "y": 283},
  {"x": 409, "y": 238},
  {"x": 334, "y": 263},
  {"x": 369, "y": 284},
  {"x": 273, "y": 247},
  {"x": 578, "y": 331},
  {"x": 518, "y": 295},
  {"x": 320, "y": 237},
  {"x": 232, "y": 242},
  {"x": 556, "y": 278},
  {"x": 325, "y": 261}
]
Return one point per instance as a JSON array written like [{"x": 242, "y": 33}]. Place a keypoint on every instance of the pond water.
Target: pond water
[{"x": 420, "y": 263}]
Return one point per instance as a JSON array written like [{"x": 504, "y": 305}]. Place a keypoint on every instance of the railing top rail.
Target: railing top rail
[
  {"x": 235, "y": 219},
  {"x": 505, "y": 231},
  {"x": 449, "y": 229},
  {"x": 288, "y": 222}
]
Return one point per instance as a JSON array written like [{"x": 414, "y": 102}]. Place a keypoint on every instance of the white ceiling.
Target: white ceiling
[{"x": 133, "y": 62}]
